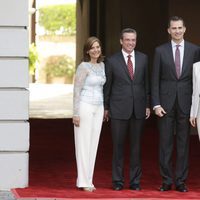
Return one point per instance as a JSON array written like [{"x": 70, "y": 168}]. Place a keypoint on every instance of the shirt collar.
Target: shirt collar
[
  {"x": 174, "y": 44},
  {"x": 126, "y": 54}
]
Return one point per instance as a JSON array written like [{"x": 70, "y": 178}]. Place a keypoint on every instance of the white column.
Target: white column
[{"x": 14, "y": 94}]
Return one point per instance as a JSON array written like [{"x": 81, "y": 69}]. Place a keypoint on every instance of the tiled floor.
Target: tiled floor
[
  {"x": 6, "y": 195},
  {"x": 50, "y": 100}
]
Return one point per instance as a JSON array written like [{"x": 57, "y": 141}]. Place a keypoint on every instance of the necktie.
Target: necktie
[
  {"x": 130, "y": 67},
  {"x": 177, "y": 61}
]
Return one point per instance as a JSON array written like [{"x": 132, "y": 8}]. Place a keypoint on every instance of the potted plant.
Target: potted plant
[{"x": 59, "y": 66}]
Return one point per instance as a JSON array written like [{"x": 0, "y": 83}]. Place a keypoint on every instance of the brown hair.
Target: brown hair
[
  {"x": 87, "y": 46},
  {"x": 127, "y": 30},
  {"x": 175, "y": 18}
]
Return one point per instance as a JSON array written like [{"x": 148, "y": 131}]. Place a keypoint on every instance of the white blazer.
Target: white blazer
[{"x": 195, "y": 108}]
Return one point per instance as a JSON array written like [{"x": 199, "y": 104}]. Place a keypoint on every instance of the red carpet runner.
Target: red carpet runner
[{"x": 53, "y": 169}]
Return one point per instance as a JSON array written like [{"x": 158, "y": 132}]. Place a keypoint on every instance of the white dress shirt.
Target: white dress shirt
[
  {"x": 132, "y": 58},
  {"x": 181, "y": 49}
]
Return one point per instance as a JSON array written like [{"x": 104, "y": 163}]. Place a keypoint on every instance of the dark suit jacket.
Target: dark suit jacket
[
  {"x": 123, "y": 96},
  {"x": 165, "y": 85}
]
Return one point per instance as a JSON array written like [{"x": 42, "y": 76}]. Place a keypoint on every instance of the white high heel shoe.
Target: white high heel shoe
[{"x": 89, "y": 189}]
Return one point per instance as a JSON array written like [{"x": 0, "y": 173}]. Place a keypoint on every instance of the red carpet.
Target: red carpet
[{"x": 53, "y": 167}]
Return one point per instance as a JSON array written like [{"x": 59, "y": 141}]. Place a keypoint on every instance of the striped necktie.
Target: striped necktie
[{"x": 177, "y": 61}]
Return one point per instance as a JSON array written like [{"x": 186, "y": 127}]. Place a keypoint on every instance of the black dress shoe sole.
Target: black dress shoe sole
[
  {"x": 165, "y": 188},
  {"x": 117, "y": 188},
  {"x": 181, "y": 188},
  {"x": 135, "y": 188}
]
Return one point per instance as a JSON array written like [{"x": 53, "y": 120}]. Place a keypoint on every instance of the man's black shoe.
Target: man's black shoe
[
  {"x": 135, "y": 187},
  {"x": 181, "y": 188},
  {"x": 165, "y": 187},
  {"x": 117, "y": 187}
]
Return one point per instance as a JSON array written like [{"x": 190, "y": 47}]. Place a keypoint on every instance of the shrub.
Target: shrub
[
  {"x": 59, "y": 66},
  {"x": 58, "y": 19},
  {"x": 33, "y": 58}
]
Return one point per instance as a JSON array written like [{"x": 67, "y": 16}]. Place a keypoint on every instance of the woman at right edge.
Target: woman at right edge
[{"x": 195, "y": 108}]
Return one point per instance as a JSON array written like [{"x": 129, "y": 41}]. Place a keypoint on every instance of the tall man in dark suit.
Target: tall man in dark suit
[
  {"x": 171, "y": 99},
  {"x": 127, "y": 103}
]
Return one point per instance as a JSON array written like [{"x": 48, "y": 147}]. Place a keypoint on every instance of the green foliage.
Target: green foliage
[
  {"x": 33, "y": 58},
  {"x": 58, "y": 19},
  {"x": 59, "y": 66}
]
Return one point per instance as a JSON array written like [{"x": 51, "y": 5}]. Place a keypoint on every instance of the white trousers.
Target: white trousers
[{"x": 86, "y": 142}]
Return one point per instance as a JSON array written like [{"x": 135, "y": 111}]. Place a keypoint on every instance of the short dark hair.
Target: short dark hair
[
  {"x": 87, "y": 46},
  {"x": 127, "y": 30},
  {"x": 175, "y": 18}
]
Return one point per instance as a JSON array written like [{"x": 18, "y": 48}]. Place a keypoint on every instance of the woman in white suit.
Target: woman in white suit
[
  {"x": 195, "y": 108},
  {"x": 88, "y": 111}
]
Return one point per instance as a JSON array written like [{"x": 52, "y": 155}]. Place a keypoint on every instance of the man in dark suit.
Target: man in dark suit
[
  {"x": 171, "y": 99},
  {"x": 127, "y": 103}
]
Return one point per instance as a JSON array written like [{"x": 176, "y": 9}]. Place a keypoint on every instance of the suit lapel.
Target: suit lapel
[
  {"x": 123, "y": 63},
  {"x": 171, "y": 58},
  {"x": 137, "y": 63},
  {"x": 185, "y": 58}
]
